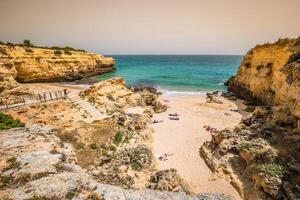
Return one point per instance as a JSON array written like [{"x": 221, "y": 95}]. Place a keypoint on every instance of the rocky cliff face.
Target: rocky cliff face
[
  {"x": 270, "y": 74},
  {"x": 261, "y": 155},
  {"x": 29, "y": 64}
]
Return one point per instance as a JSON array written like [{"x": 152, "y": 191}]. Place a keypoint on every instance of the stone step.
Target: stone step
[{"x": 85, "y": 105}]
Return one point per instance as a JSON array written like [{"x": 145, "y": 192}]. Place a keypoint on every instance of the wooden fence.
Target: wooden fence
[{"x": 40, "y": 98}]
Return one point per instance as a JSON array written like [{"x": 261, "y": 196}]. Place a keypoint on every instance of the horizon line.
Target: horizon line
[{"x": 173, "y": 54}]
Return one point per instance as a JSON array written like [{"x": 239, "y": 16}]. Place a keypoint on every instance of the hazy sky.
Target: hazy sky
[{"x": 150, "y": 26}]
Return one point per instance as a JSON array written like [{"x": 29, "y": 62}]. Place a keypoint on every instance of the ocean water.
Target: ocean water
[{"x": 175, "y": 73}]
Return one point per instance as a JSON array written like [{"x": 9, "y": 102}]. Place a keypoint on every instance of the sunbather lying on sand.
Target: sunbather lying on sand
[
  {"x": 210, "y": 129},
  {"x": 174, "y": 115},
  {"x": 156, "y": 121},
  {"x": 164, "y": 156}
]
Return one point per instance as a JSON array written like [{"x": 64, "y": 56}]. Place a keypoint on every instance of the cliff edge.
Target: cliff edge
[
  {"x": 261, "y": 155},
  {"x": 269, "y": 74},
  {"x": 27, "y": 64}
]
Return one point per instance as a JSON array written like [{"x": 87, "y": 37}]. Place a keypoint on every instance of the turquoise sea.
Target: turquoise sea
[{"x": 175, "y": 73}]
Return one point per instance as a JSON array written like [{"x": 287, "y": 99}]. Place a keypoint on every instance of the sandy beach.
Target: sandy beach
[
  {"x": 46, "y": 87},
  {"x": 182, "y": 139}
]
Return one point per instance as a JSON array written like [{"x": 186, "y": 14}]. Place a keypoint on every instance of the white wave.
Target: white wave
[
  {"x": 84, "y": 86},
  {"x": 183, "y": 93},
  {"x": 222, "y": 83}
]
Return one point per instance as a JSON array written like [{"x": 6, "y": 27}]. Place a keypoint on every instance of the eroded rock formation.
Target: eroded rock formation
[
  {"x": 113, "y": 94},
  {"x": 270, "y": 74},
  {"x": 31, "y": 64},
  {"x": 261, "y": 154}
]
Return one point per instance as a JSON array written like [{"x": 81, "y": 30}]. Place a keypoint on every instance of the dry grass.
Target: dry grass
[
  {"x": 86, "y": 157},
  {"x": 102, "y": 132}
]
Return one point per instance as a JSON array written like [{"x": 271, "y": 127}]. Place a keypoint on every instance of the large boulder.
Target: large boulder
[{"x": 168, "y": 180}]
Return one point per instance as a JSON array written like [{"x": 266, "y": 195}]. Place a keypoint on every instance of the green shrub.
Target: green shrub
[
  {"x": 10, "y": 44},
  {"x": 7, "y": 122},
  {"x": 57, "y": 52},
  {"x": 93, "y": 146},
  {"x": 55, "y": 48},
  {"x": 92, "y": 100},
  {"x": 70, "y": 195},
  {"x": 294, "y": 57},
  {"x": 244, "y": 144},
  {"x": 118, "y": 138},
  {"x": 94, "y": 196},
  {"x": 12, "y": 164},
  {"x": 35, "y": 197},
  {"x": 5, "y": 181},
  {"x": 135, "y": 166},
  {"x": 38, "y": 59},
  {"x": 111, "y": 148},
  {"x": 127, "y": 137},
  {"x": 67, "y": 52},
  {"x": 250, "y": 147},
  {"x": 29, "y": 50},
  {"x": 27, "y": 43},
  {"x": 272, "y": 169},
  {"x": 104, "y": 152}
]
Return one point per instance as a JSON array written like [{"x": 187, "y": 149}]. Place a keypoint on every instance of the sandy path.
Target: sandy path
[
  {"x": 46, "y": 87},
  {"x": 184, "y": 137}
]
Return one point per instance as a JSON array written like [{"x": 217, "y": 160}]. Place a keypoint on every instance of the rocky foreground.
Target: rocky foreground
[
  {"x": 261, "y": 155},
  {"x": 40, "y": 166}
]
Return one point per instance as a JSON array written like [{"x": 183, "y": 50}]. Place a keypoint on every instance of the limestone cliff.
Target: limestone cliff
[
  {"x": 34, "y": 64},
  {"x": 261, "y": 155},
  {"x": 270, "y": 74}
]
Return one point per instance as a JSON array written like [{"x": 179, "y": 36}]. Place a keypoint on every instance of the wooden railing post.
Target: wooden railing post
[
  {"x": 65, "y": 93},
  {"x": 39, "y": 98}
]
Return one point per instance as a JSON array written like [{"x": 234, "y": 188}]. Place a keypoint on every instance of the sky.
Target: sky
[{"x": 113, "y": 27}]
